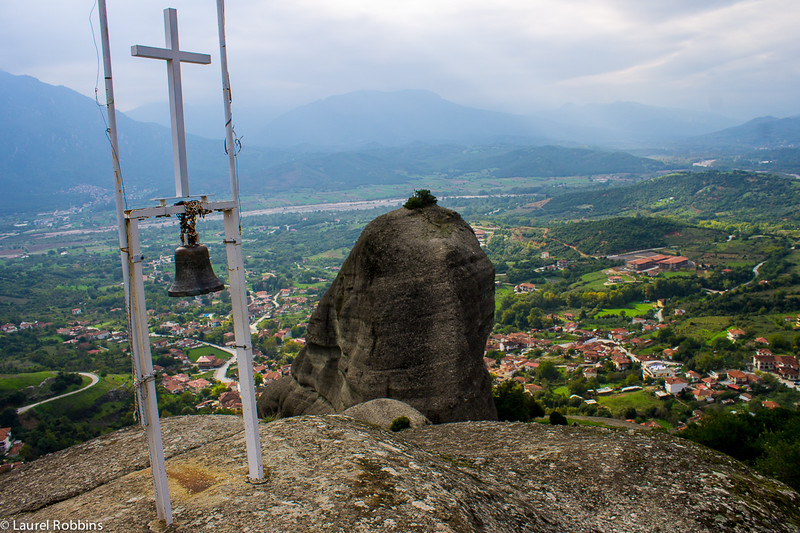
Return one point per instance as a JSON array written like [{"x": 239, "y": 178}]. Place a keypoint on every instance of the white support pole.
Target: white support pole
[
  {"x": 112, "y": 133},
  {"x": 134, "y": 297},
  {"x": 226, "y": 100},
  {"x": 244, "y": 349},
  {"x": 144, "y": 380},
  {"x": 236, "y": 279}
]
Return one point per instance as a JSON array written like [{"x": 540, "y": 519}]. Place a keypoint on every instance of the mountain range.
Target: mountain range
[
  {"x": 54, "y": 151},
  {"x": 364, "y": 118}
]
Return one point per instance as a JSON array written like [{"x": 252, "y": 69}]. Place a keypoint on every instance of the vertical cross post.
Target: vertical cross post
[{"x": 174, "y": 57}]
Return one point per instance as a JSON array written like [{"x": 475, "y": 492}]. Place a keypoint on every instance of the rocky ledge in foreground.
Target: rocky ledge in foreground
[{"x": 332, "y": 473}]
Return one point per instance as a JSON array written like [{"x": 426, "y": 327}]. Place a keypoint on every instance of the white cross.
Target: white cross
[{"x": 174, "y": 57}]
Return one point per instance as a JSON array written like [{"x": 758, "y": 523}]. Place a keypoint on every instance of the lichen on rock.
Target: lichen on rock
[{"x": 333, "y": 473}]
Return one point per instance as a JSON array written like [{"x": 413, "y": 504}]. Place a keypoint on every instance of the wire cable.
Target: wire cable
[{"x": 100, "y": 106}]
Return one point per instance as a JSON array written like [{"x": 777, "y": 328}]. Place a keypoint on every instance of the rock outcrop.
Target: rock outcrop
[
  {"x": 383, "y": 411},
  {"x": 406, "y": 318},
  {"x": 333, "y": 473}
]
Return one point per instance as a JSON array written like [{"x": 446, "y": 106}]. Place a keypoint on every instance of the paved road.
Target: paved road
[
  {"x": 94, "y": 377},
  {"x": 219, "y": 374}
]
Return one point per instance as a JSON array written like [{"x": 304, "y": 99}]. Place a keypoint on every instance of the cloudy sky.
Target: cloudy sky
[{"x": 739, "y": 58}]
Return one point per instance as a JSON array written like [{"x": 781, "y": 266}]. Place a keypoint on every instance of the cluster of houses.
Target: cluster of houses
[
  {"x": 709, "y": 387},
  {"x": 82, "y": 332},
  {"x": 288, "y": 301},
  {"x": 783, "y": 365},
  {"x": 597, "y": 352},
  {"x": 175, "y": 349},
  {"x": 230, "y": 399},
  {"x": 22, "y": 326},
  {"x": 179, "y": 383}
]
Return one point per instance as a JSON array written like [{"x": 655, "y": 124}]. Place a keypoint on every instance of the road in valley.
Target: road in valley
[{"x": 94, "y": 377}]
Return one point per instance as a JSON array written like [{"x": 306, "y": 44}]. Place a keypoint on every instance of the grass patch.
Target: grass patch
[
  {"x": 562, "y": 390},
  {"x": 13, "y": 382},
  {"x": 678, "y": 274},
  {"x": 594, "y": 423},
  {"x": 704, "y": 328},
  {"x": 196, "y": 353},
  {"x": 75, "y": 406},
  {"x": 663, "y": 423},
  {"x": 337, "y": 253},
  {"x": 638, "y": 400},
  {"x": 501, "y": 293},
  {"x": 639, "y": 309}
]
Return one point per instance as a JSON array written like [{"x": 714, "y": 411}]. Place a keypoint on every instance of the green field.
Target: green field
[
  {"x": 639, "y": 400},
  {"x": 640, "y": 309},
  {"x": 196, "y": 353},
  {"x": 593, "y": 281},
  {"x": 13, "y": 382},
  {"x": 704, "y": 328},
  {"x": 500, "y": 293},
  {"x": 76, "y": 405},
  {"x": 563, "y": 391}
]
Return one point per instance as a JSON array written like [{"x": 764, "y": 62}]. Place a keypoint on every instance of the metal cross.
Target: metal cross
[{"x": 174, "y": 57}]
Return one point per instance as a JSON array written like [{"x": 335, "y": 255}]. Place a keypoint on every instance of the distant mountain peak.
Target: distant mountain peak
[{"x": 390, "y": 118}]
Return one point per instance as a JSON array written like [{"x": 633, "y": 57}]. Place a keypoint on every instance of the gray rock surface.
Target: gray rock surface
[
  {"x": 332, "y": 473},
  {"x": 382, "y": 411},
  {"x": 406, "y": 318}
]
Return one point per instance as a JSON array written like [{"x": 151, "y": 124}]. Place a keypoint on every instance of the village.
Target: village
[
  {"x": 591, "y": 354},
  {"x": 592, "y": 373}
]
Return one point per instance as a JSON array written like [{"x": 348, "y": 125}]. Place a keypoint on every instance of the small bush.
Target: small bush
[
  {"x": 400, "y": 423},
  {"x": 421, "y": 198},
  {"x": 557, "y": 419}
]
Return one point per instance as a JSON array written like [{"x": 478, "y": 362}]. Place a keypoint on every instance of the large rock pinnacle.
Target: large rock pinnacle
[{"x": 406, "y": 318}]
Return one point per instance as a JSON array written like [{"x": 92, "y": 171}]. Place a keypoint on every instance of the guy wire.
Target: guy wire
[{"x": 107, "y": 132}]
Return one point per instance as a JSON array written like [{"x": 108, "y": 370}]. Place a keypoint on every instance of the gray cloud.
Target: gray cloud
[{"x": 733, "y": 57}]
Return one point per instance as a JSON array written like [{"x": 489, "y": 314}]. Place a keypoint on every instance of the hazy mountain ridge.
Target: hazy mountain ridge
[
  {"x": 358, "y": 119},
  {"x": 54, "y": 139},
  {"x": 759, "y": 133},
  {"x": 628, "y": 124},
  {"x": 53, "y": 144}
]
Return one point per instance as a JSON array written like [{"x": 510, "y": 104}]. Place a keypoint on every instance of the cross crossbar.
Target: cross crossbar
[
  {"x": 174, "y": 57},
  {"x": 139, "y": 50}
]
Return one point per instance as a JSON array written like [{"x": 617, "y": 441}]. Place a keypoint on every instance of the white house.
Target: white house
[{"x": 674, "y": 385}]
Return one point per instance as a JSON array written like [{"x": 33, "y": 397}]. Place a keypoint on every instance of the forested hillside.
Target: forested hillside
[
  {"x": 734, "y": 196},
  {"x": 623, "y": 234}
]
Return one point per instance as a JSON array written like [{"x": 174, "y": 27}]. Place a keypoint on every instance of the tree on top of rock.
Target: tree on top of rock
[{"x": 421, "y": 198}]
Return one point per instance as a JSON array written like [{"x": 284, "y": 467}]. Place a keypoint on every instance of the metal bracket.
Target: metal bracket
[
  {"x": 136, "y": 258},
  {"x": 139, "y": 382},
  {"x": 232, "y": 241}
]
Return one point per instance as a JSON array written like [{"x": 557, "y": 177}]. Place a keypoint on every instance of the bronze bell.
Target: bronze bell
[{"x": 193, "y": 272}]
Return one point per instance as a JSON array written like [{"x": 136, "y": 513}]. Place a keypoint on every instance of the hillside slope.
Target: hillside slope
[
  {"x": 331, "y": 473},
  {"x": 736, "y": 196}
]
